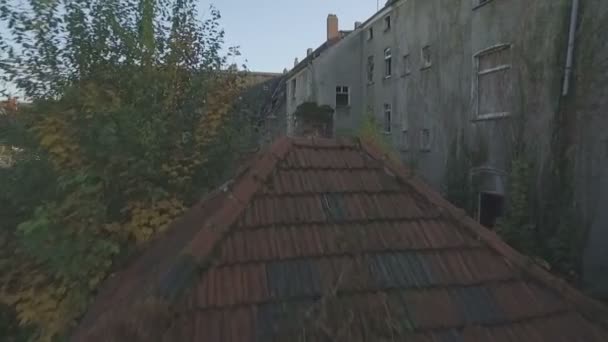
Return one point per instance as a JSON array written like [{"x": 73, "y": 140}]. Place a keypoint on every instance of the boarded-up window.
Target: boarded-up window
[{"x": 494, "y": 82}]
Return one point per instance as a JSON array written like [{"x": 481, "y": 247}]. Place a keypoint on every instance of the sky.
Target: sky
[{"x": 272, "y": 33}]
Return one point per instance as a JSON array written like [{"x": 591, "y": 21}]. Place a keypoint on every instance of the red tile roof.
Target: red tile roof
[{"x": 321, "y": 240}]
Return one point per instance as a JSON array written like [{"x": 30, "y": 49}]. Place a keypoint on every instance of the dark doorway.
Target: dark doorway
[{"x": 490, "y": 208}]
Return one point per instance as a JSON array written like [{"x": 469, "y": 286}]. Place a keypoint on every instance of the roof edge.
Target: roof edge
[
  {"x": 591, "y": 308},
  {"x": 241, "y": 191}
]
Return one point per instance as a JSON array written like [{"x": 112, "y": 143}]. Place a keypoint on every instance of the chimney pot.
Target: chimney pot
[
  {"x": 332, "y": 27},
  {"x": 358, "y": 24},
  {"x": 296, "y": 62},
  {"x": 308, "y": 52}
]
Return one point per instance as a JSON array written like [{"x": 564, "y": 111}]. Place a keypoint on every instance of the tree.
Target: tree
[{"x": 130, "y": 122}]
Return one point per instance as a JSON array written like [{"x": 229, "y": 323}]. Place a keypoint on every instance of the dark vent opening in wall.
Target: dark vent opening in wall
[{"x": 491, "y": 207}]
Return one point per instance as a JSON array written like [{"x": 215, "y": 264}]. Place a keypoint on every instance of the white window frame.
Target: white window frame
[
  {"x": 343, "y": 90},
  {"x": 388, "y": 118},
  {"x": 426, "y": 63},
  {"x": 493, "y": 49},
  {"x": 388, "y": 63}
]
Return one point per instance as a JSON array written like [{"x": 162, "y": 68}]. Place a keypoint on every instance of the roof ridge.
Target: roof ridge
[
  {"x": 589, "y": 307},
  {"x": 242, "y": 189}
]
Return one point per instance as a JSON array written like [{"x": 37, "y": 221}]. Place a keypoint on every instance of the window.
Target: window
[
  {"x": 342, "y": 96},
  {"x": 387, "y": 117},
  {"x": 406, "y": 65},
  {"x": 370, "y": 69},
  {"x": 370, "y": 33},
  {"x": 388, "y": 63},
  {"x": 425, "y": 140},
  {"x": 493, "y": 95},
  {"x": 293, "y": 88},
  {"x": 387, "y": 23},
  {"x": 490, "y": 208},
  {"x": 426, "y": 57}
]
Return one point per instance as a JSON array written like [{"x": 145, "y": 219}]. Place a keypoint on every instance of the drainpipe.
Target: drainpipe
[{"x": 571, "y": 41}]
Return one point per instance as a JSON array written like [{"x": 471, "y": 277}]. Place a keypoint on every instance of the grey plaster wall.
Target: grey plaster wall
[
  {"x": 340, "y": 65},
  {"x": 590, "y": 139},
  {"x": 444, "y": 97}
]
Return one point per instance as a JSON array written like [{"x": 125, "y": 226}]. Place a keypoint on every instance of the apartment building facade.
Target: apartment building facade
[{"x": 476, "y": 80}]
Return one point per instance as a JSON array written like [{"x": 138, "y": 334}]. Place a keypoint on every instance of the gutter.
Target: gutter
[{"x": 571, "y": 43}]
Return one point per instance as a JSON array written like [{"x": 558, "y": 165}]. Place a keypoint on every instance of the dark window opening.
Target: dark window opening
[
  {"x": 342, "y": 96},
  {"x": 387, "y": 23},
  {"x": 491, "y": 208},
  {"x": 293, "y": 88},
  {"x": 387, "y": 117},
  {"x": 370, "y": 34}
]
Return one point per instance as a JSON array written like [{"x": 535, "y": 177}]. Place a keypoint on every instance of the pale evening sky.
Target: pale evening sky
[{"x": 272, "y": 33}]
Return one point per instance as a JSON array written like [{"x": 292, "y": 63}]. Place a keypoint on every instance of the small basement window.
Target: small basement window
[
  {"x": 491, "y": 208},
  {"x": 342, "y": 96},
  {"x": 388, "y": 112}
]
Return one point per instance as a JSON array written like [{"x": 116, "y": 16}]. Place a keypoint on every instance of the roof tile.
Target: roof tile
[{"x": 332, "y": 241}]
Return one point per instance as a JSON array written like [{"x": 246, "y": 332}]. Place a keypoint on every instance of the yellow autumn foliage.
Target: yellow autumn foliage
[{"x": 57, "y": 138}]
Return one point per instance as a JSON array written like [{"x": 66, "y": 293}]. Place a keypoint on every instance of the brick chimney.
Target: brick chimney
[{"x": 332, "y": 27}]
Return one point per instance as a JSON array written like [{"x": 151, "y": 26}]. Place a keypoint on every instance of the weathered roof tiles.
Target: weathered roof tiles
[{"x": 323, "y": 240}]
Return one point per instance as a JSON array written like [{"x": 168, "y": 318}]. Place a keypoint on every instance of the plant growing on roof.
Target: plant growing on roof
[
  {"x": 313, "y": 112},
  {"x": 131, "y": 120}
]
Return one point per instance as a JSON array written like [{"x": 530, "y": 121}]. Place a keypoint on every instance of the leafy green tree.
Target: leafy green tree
[{"x": 131, "y": 120}]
